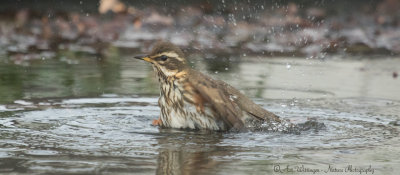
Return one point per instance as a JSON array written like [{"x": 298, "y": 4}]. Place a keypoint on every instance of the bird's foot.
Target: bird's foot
[{"x": 156, "y": 122}]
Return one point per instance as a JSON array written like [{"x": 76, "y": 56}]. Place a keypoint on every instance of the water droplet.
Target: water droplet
[
  {"x": 232, "y": 97},
  {"x": 232, "y": 19}
]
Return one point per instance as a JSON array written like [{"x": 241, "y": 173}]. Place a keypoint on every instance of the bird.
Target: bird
[{"x": 190, "y": 99}]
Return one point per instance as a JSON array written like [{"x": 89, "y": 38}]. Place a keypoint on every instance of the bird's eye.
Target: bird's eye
[{"x": 163, "y": 58}]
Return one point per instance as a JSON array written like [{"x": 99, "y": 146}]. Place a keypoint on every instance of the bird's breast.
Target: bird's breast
[{"x": 181, "y": 107}]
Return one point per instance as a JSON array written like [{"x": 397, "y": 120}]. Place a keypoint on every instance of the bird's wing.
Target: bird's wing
[
  {"x": 249, "y": 106},
  {"x": 226, "y": 101}
]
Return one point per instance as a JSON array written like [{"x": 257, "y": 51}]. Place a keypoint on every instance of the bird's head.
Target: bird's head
[{"x": 166, "y": 58}]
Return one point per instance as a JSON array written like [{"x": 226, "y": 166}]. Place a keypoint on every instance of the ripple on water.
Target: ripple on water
[{"x": 113, "y": 134}]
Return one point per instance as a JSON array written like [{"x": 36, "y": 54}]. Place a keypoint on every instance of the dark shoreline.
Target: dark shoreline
[{"x": 32, "y": 30}]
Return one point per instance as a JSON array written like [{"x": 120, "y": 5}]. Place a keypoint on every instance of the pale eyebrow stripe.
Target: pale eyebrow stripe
[{"x": 170, "y": 54}]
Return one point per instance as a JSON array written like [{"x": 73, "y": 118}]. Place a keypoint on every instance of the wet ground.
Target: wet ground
[{"x": 90, "y": 116}]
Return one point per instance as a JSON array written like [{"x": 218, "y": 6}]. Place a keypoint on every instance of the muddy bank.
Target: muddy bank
[{"x": 256, "y": 28}]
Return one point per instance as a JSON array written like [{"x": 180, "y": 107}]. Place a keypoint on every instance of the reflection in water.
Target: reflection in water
[
  {"x": 267, "y": 78},
  {"x": 221, "y": 63},
  {"x": 205, "y": 152},
  {"x": 54, "y": 78},
  {"x": 11, "y": 83},
  {"x": 187, "y": 153}
]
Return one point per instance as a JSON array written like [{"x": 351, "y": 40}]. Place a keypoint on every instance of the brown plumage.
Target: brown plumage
[{"x": 190, "y": 99}]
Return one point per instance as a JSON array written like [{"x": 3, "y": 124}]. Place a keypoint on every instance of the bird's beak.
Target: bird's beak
[{"x": 143, "y": 57}]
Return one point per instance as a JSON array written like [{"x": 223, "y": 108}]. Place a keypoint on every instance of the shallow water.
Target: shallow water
[{"x": 94, "y": 117}]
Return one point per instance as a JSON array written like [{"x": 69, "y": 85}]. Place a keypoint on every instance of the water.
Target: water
[{"x": 94, "y": 117}]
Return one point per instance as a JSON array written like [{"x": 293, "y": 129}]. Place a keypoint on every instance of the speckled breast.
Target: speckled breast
[{"x": 180, "y": 110}]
